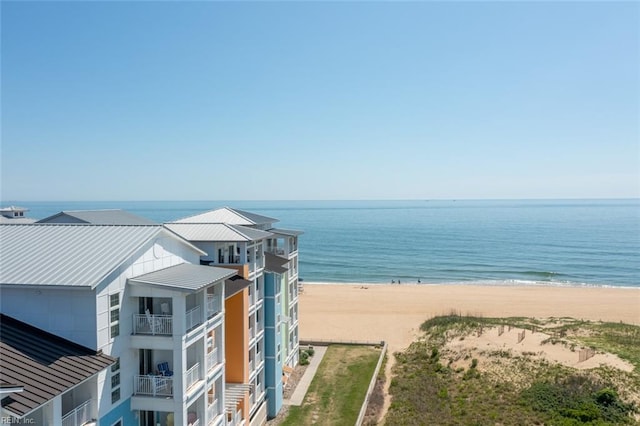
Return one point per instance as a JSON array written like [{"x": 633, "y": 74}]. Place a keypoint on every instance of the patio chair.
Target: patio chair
[{"x": 163, "y": 368}]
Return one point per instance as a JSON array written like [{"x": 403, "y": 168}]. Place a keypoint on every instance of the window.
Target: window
[
  {"x": 114, "y": 312},
  {"x": 115, "y": 381},
  {"x": 115, "y": 396},
  {"x": 118, "y": 423}
]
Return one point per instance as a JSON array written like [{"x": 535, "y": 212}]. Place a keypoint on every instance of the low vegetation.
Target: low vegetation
[
  {"x": 338, "y": 389},
  {"x": 437, "y": 383}
]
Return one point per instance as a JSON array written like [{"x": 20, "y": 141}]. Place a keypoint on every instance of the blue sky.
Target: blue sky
[{"x": 292, "y": 100}]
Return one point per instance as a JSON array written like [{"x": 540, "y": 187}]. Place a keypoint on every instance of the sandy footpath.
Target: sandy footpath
[{"x": 393, "y": 313}]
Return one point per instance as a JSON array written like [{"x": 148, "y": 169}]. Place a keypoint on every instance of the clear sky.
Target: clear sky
[{"x": 326, "y": 100}]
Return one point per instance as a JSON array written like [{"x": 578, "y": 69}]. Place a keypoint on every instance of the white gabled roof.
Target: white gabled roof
[
  {"x": 230, "y": 216},
  {"x": 70, "y": 255},
  {"x": 216, "y": 232}
]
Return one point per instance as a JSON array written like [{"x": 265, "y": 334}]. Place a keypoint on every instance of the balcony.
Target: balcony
[
  {"x": 192, "y": 376},
  {"x": 79, "y": 415},
  {"x": 155, "y": 325},
  {"x": 214, "y": 305},
  {"x": 235, "y": 418},
  {"x": 213, "y": 410},
  {"x": 193, "y": 318},
  {"x": 278, "y": 250},
  {"x": 153, "y": 386},
  {"x": 213, "y": 359}
]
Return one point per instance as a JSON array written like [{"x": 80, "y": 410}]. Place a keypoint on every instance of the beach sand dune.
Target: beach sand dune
[{"x": 393, "y": 313}]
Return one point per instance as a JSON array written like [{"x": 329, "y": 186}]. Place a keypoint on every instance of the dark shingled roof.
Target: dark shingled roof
[{"x": 44, "y": 364}]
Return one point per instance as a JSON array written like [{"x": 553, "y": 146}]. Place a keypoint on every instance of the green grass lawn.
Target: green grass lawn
[{"x": 338, "y": 388}]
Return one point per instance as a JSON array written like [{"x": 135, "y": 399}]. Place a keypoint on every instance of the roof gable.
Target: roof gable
[
  {"x": 216, "y": 232},
  {"x": 229, "y": 216},
  {"x": 98, "y": 217}
]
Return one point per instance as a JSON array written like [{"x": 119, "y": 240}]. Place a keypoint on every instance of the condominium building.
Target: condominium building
[
  {"x": 198, "y": 316},
  {"x": 243, "y": 241},
  {"x": 136, "y": 293}
]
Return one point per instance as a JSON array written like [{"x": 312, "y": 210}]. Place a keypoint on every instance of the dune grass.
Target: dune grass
[
  {"x": 338, "y": 388},
  {"x": 426, "y": 389}
]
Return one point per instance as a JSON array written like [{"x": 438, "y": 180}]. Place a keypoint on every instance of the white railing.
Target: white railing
[
  {"x": 153, "y": 324},
  {"x": 212, "y": 358},
  {"x": 153, "y": 385},
  {"x": 212, "y": 409},
  {"x": 193, "y": 318},
  {"x": 276, "y": 250},
  {"x": 192, "y": 375},
  {"x": 213, "y": 305},
  {"x": 78, "y": 416},
  {"x": 236, "y": 418},
  {"x": 195, "y": 423}
]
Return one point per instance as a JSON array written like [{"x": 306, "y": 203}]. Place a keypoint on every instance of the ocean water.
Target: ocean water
[{"x": 530, "y": 242}]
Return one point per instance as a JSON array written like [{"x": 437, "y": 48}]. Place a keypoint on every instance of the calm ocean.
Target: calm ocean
[{"x": 559, "y": 242}]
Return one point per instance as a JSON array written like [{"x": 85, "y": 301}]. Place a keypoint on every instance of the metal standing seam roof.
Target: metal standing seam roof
[
  {"x": 44, "y": 364},
  {"x": 234, "y": 285},
  {"x": 185, "y": 276},
  {"x": 69, "y": 255},
  {"x": 230, "y": 216},
  {"x": 216, "y": 232},
  {"x": 99, "y": 217},
  {"x": 289, "y": 232},
  {"x": 14, "y": 220},
  {"x": 275, "y": 263}
]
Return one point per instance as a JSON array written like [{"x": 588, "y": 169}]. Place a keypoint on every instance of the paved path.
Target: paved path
[{"x": 307, "y": 377}]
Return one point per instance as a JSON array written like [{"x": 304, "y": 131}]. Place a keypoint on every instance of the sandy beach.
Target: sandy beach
[{"x": 393, "y": 313}]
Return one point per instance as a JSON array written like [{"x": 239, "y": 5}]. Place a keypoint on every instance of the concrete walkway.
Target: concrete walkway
[{"x": 305, "y": 381}]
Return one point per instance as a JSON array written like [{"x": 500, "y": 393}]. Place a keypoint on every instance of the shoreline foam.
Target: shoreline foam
[{"x": 483, "y": 283}]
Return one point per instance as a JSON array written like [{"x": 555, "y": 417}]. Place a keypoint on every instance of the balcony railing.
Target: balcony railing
[
  {"x": 213, "y": 358},
  {"x": 213, "y": 410},
  {"x": 153, "y": 385},
  {"x": 276, "y": 250},
  {"x": 234, "y": 418},
  {"x": 79, "y": 415},
  {"x": 214, "y": 305},
  {"x": 153, "y": 324},
  {"x": 193, "y": 318},
  {"x": 192, "y": 375}
]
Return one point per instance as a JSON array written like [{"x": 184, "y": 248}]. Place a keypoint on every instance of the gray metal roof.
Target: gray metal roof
[
  {"x": 185, "y": 276},
  {"x": 98, "y": 217},
  {"x": 289, "y": 232},
  {"x": 216, "y": 232},
  {"x": 23, "y": 220},
  {"x": 234, "y": 285},
  {"x": 45, "y": 365},
  {"x": 230, "y": 216},
  {"x": 68, "y": 255},
  {"x": 275, "y": 263}
]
